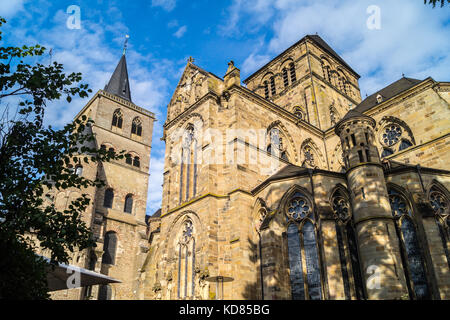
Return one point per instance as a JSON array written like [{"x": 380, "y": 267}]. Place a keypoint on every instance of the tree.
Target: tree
[
  {"x": 436, "y": 1},
  {"x": 35, "y": 159}
]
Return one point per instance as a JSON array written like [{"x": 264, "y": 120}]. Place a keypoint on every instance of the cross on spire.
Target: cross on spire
[
  {"x": 125, "y": 44},
  {"x": 191, "y": 60}
]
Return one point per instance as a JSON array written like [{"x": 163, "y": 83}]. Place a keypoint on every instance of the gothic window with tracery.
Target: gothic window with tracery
[
  {"x": 303, "y": 246},
  {"x": 117, "y": 119},
  {"x": 392, "y": 134},
  {"x": 441, "y": 207},
  {"x": 409, "y": 243},
  {"x": 186, "y": 261},
  {"x": 395, "y": 137},
  {"x": 136, "y": 127},
  {"x": 348, "y": 251},
  {"x": 309, "y": 156}
]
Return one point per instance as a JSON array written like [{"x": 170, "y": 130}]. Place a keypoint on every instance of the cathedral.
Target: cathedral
[{"x": 286, "y": 185}]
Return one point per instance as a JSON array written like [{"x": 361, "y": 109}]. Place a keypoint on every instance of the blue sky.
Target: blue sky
[{"x": 412, "y": 39}]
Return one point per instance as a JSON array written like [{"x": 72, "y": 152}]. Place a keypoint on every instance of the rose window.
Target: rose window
[
  {"x": 299, "y": 207},
  {"x": 392, "y": 134}
]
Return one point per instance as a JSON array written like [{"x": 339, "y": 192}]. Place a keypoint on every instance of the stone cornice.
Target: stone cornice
[
  {"x": 207, "y": 195},
  {"x": 123, "y": 102}
]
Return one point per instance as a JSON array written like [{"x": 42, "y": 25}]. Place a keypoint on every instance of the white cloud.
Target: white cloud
[
  {"x": 167, "y": 5},
  {"x": 9, "y": 8},
  {"x": 88, "y": 50},
  {"x": 413, "y": 38},
  {"x": 180, "y": 32}
]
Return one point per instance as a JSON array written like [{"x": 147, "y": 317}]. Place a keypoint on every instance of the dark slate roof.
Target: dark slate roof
[
  {"x": 388, "y": 92},
  {"x": 157, "y": 214},
  {"x": 119, "y": 85},
  {"x": 327, "y": 48},
  {"x": 321, "y": 43}
]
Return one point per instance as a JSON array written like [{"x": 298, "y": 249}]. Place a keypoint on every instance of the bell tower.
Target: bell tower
[{"x": 376, "y": 234}]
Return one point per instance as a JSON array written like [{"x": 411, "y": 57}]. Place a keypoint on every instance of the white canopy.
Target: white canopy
[{"x": 64, "y": 276}]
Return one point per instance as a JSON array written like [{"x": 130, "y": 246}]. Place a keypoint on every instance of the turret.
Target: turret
[
  {"x": 357, "y": 139},
  {"x": 375, "y": 229}
]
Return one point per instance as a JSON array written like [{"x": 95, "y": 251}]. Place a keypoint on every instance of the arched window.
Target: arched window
[
  {"x": 348, "y": 250},
  {"x": 128, "y": 159},
  {"x": 266, "y": 89},
  {"x": 79, "y": 170},
  {"x": 441, "y": 207},
  {"x": 303, "y": 246},
  {"x": 326, "y": 69},
  {"x": 109, "y": 248},
  {"x": 334, "y": 116},
  {"x": 309, "y": 160},
  {"x": 136, "y": 127},
  {"x": 136, "y": 162},
  {"x": 108, "y": 199},
  {"x": 413, "y": 262},
  {"x": 292, "y": 71},
  {"x": 395, "y": 135},
  {"x": 104, "y": 292},
  {"x": 186, "y": 261},
  {"x": 275, "y": 145},
  {"x": 128, "y": 207},
  {"x": 299, "y": 112},
  {"x": 273, "y": 90},
  {"x": 285, "y": 78},
  {"x": 117, "y": 119}
]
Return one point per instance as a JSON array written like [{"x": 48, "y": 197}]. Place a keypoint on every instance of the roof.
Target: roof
[
  {"x": 287, "y": 171},
  {"x": 119, "y": 84},
  {"x": 321, "y": 43},
  {"x": 388, "y": 92},
  {"x": 327, "y": 48},
  {"x": 58, "y": 276}
]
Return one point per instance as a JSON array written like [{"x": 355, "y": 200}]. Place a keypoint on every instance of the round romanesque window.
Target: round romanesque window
[
  {"x": 299, "y": 207},
  {"x": 392, "y": 134}
]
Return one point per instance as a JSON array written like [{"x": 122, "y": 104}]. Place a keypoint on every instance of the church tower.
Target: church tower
[
  {"x": 118, "y": 211},
  {"x": 376, "y": 234}
]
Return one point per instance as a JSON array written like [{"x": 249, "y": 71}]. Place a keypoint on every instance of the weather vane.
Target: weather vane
[{"x": 125, "y": 44}]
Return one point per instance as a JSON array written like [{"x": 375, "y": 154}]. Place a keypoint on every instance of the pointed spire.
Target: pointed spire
[{"x": 119, "y": 84}]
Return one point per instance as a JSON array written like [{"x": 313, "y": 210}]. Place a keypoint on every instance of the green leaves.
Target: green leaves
[{"x": 36, "y": 162}]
